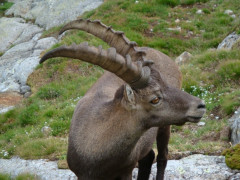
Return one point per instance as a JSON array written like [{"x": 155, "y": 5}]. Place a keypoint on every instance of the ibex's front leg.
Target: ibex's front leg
[
  {"x": 162, "y": 146},
  {"x": 145, "y": 165}
]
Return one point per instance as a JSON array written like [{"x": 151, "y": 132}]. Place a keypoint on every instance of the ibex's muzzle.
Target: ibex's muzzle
[{"x": 196, "y": 111}]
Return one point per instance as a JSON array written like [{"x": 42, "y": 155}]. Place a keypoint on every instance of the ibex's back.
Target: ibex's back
[{"x": 115, "y": 124}]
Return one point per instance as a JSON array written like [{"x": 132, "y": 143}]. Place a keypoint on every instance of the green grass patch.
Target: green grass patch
[
  {"x": 29, "y": 114},
  {"x": 4, "y": 5},
  {"x": 51, "y": 32},
  {"x": 23, "y": 176},
  {"x": 5, "y": 176},
  {"x": 205, "y": 139},
  {"x": 42, "y": 148},
  {"x": 229, "y": 70},
  {"x": 230, "y": 102},
  {"x": 49, "y": 92}
]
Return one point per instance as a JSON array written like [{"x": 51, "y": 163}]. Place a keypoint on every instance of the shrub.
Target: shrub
[
  {"x": 187, "y": 2},
  {"x": 171, "y": 3},
  {"x": 230, "y": 102},
  {"x": 232, "y": 156},
  {"x": 229, "y": 71},
  {"x": 60, "y": 127},
  {"x": 29, "y": 115},
  {"x": 136, "y": 23},
  {"x": 48, "y": 92},
  {"x": 5, "y": 177}
]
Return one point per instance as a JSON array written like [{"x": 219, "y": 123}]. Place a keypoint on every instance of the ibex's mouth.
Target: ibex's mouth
[{"x": 194, "y": 119}]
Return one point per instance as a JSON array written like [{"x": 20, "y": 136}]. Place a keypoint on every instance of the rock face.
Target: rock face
[
  {"x": 15, "y": 31},
  {"x": 18, "y": 63},
  {"x": 234, "y": 122},
  {"x": 197, "y": 167},
  {"x": 44, "y": 169},
  {"x": 52, "y": 13},
  {"x": 185, "y": 56},
  {"x": 229, "y": 41}
]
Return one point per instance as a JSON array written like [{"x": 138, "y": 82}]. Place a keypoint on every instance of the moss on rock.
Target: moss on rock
[{"x": 232, "y": 156}]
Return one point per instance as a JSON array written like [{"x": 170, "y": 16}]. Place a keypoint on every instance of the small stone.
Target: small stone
[
  {"x": 46, "y": 130},
  {"x": 6, "y": 109},
  {"x": 233, "y": 16},
  {"x": 199, "y": 11},
  {"x": 136, "y": 2},
  {"x": 185, "y": 56},
  {"x": 177, "y": 21},
  {"x": 62, "y": 164},
  {"x": 179, "y": 29},
  {"x": 25, "y": 89},
  {"x": 189, "y": 33},
  {"x": 27, "y": 94},
  {"x": 234, "y": 122},
  {"x": 228, "y": 12},
  {"x": 201, "y": 124}
]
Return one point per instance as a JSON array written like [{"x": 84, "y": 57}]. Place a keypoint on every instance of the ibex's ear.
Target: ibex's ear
[{"x": 128, "y": 97}]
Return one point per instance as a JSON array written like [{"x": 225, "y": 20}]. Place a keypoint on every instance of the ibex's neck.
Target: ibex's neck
[{"x": 112, "y": 137}]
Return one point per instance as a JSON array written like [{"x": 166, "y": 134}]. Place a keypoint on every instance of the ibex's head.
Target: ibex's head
[
  {"x": 145, "y": 94},
  {"x": 162, "y": 105}
]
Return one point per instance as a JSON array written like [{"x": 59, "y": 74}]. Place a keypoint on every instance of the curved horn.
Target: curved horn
[
  {"x": 115, "y": 39},
  {"x": 134, "y": 74}
]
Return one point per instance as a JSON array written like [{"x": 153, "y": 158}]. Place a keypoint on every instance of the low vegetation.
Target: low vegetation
[
  {"x": 233, "y": 157},
  {"x": 24, "y": 176},
  {"x": 4, "y": 5},
  {"x": 59, "y": 83}
]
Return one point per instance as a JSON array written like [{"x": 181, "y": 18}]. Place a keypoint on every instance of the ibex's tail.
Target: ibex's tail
[{"x": 115, "y": 39}]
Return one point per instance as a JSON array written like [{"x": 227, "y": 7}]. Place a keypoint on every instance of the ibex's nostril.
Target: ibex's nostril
[{"x": 201, "y": 106}]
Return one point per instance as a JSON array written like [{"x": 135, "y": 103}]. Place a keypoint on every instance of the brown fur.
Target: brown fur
[{"x": 114, "y": 126}]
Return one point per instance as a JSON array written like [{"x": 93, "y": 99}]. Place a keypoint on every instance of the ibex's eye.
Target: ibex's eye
[{"x": 155, "y": 100}]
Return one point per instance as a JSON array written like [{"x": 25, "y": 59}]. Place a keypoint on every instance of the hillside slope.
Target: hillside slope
[{"x": 166, "y": 25}]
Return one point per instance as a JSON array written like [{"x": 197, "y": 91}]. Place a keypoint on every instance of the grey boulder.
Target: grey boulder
[
  {"x": 52, "y": 13},
  {"x": 234, "y": 122},
  {"x": 229, "y": 41},
  {"x": 20, "y": 61}
]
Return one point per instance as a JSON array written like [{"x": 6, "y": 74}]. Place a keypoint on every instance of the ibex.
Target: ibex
[{"x": 133, "y": 103}]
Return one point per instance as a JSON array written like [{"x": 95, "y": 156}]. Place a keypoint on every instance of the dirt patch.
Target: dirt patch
[{"x": 10, "y": 99}]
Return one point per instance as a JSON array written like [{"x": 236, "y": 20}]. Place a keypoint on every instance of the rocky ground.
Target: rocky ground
[
  {"x": 21, "y": 43},
  {"x": 197, "y": 166}
]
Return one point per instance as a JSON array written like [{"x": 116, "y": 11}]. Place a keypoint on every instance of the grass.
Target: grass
[
  {"x": 4, "y": 5},
  {"x": 20, "y": 129},
  {"x": 24, "y": 176},
  {"x": 59, "y": 83}
]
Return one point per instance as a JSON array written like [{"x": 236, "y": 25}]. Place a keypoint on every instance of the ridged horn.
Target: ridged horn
[
  {"x": 132, "y": 73},
  {"x": 115, "y": 39}
]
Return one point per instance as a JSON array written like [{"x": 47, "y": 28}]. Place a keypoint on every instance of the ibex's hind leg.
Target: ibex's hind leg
[
  {"x": 145, "y": 166},
  {"x": 162, "y": 146}
]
